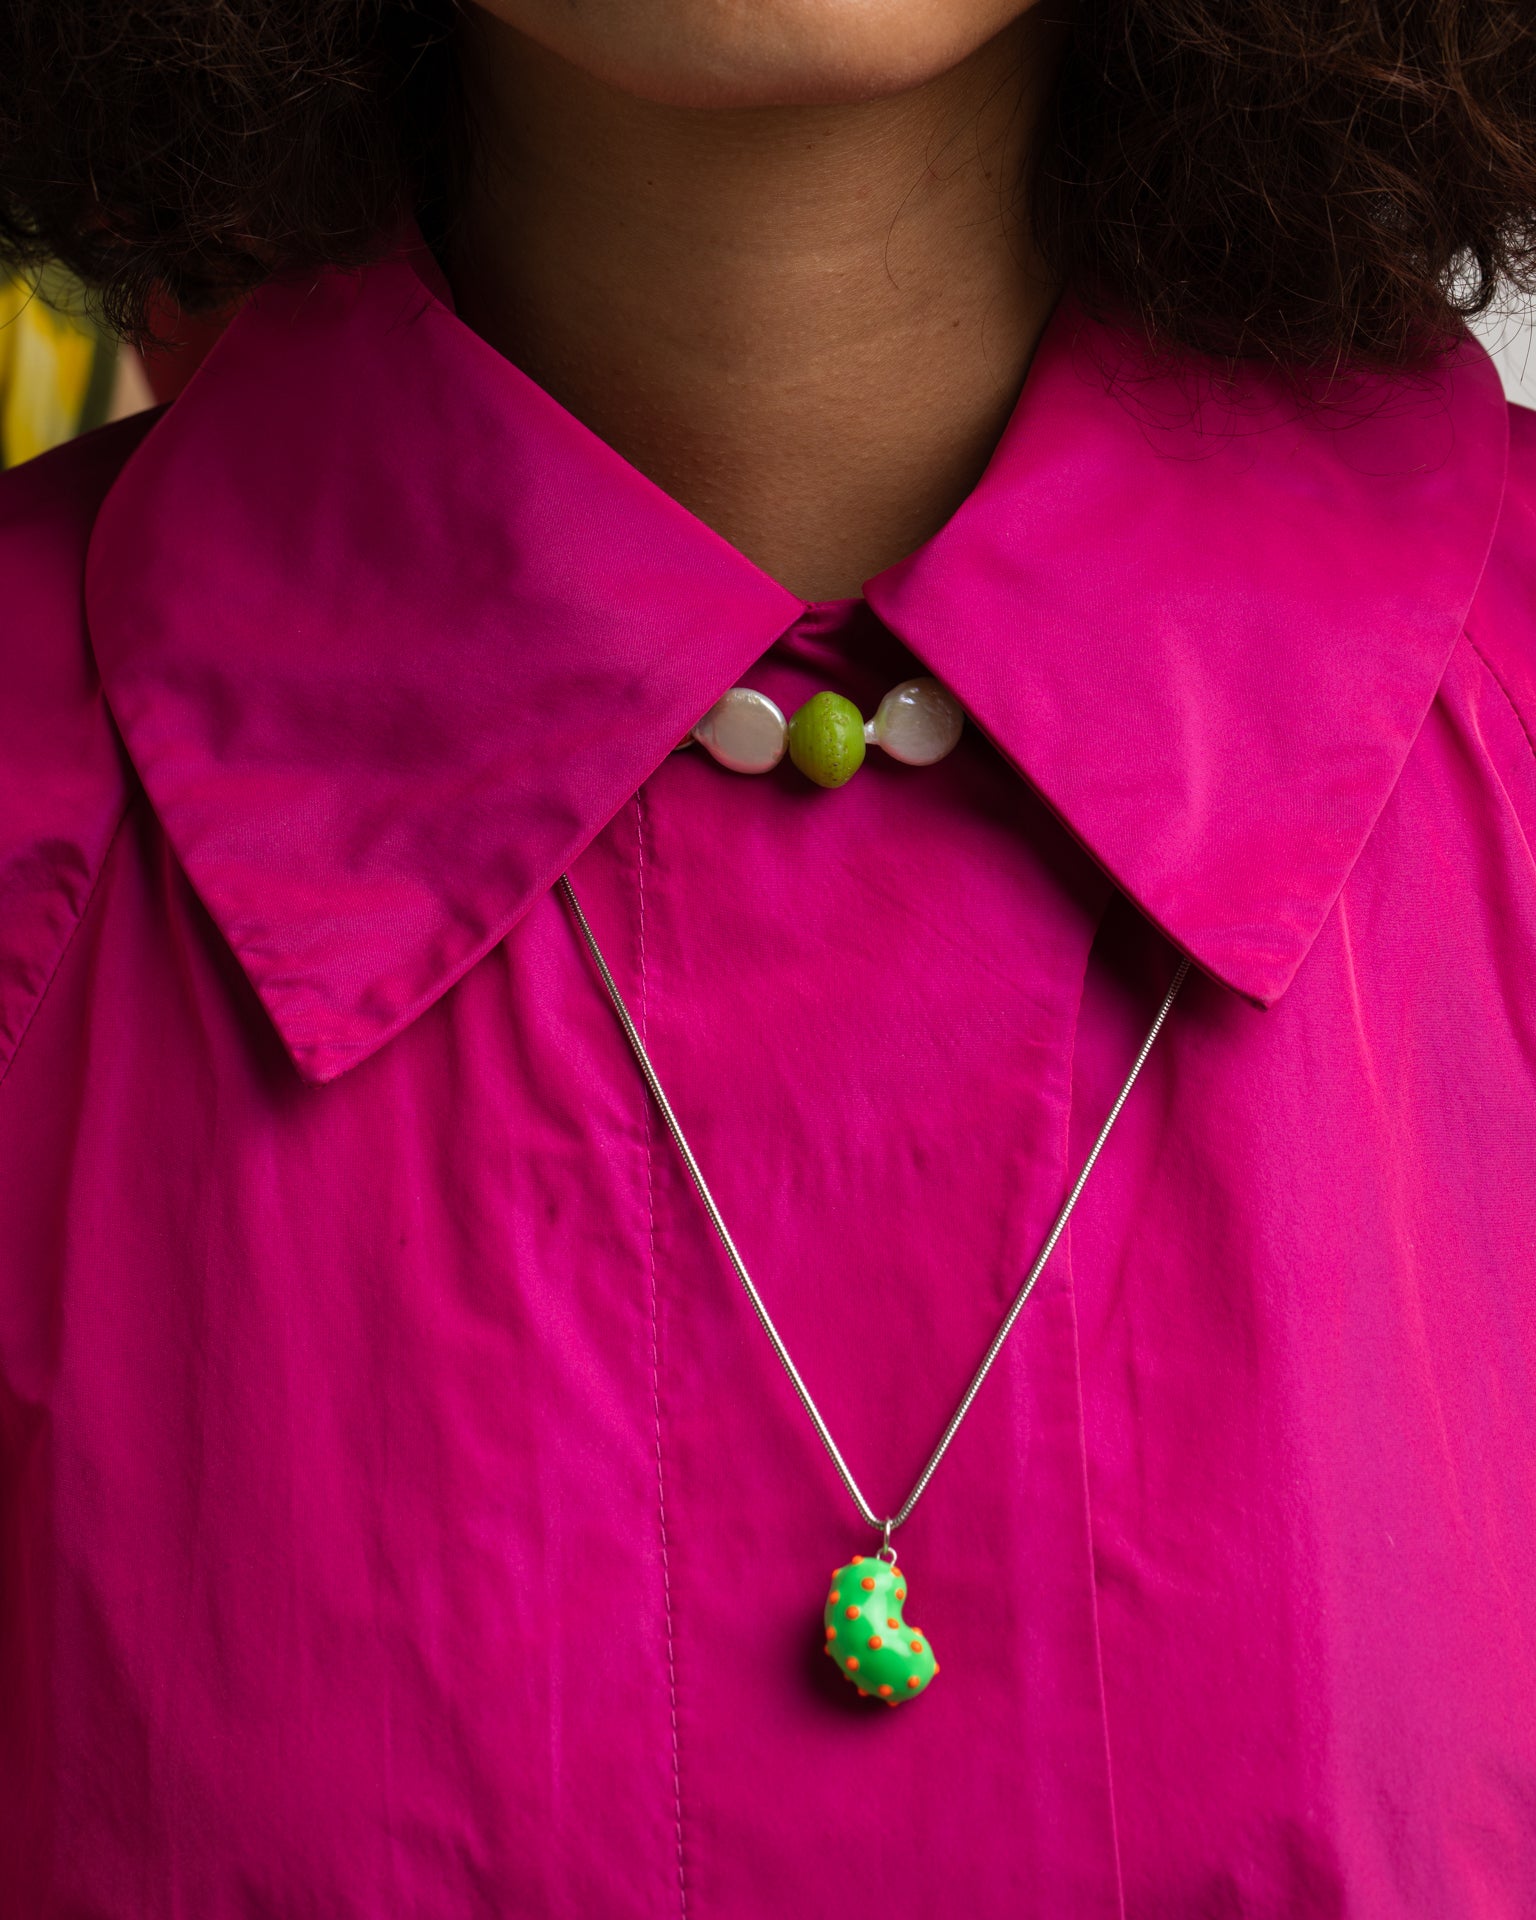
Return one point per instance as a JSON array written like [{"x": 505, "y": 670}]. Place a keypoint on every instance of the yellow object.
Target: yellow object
[{"x": 56, "y": 366}]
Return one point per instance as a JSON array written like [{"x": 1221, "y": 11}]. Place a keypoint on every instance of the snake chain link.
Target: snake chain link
[{"x": 680, "y": 1141}]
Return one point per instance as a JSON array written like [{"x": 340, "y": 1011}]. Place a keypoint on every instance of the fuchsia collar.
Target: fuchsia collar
[{"x": 390, "y": 635}]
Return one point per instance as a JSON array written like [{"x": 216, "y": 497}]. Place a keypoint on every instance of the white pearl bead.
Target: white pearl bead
[
  {"x": 917, "y": 722},
  {"x": 744, "y": 731}
]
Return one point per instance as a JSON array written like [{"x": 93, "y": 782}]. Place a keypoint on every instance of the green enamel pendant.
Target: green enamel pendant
[{"x": 875, "y": 1649}]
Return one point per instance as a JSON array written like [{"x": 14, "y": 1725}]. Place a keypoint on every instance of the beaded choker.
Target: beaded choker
[{"x": 917, "y": 723}]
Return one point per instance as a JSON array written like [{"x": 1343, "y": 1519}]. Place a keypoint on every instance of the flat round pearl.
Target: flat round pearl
[
  {"x": 744, "y": 731},
  {"x": 917, "y": 722}
]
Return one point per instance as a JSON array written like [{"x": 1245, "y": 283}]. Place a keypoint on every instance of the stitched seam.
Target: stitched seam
[
  {"x": 1498, "y": 680},
  {"x": 661, "y": 1484},
  {"x": 1082, "y": 1428},
  {"x": 53, "y": 971}
]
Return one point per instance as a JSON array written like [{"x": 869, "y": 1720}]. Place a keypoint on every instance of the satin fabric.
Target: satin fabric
[{"x": 402, "y": 1511}]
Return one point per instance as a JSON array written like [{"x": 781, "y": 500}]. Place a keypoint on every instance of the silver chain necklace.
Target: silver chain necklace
[{"x": 893, "y": 1662}]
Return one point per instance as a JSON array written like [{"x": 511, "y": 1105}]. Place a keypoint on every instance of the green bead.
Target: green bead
[
  {"x": 867, "y": 1639},
  {"x": 826, "y": 739}
]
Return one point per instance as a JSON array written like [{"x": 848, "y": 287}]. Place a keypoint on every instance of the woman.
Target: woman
[{"x": 406, "y": 1512}]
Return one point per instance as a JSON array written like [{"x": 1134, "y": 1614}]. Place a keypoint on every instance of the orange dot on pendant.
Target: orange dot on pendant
[
  {"x": 831, "y": 1633},
  {"x": 867, "y": 1584},
  {"x": 885, "y": 1692},
  {"x": 875, "y": 1640},
  {"x": 913, "y": 1681},
  {"x": 917, "y": 1646},
  {"x": 890, "y": 1623},
  {"x": 851, "y": 1613},
  {"x": 852, "y": 1663},
  {"x": 858, "y": 1560},
  {"x": 901, "y": 1593}
]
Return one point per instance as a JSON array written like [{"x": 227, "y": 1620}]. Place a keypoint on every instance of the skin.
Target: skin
[{"x": 769, "y": 250}]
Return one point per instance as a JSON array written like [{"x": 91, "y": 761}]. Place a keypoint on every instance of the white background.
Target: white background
[{"x": 1513, "y": 344}]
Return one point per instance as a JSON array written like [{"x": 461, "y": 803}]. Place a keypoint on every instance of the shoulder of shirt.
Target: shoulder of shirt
[
  {"x": 1502, "y": 623},
  {"x": 64, "y": 782}
]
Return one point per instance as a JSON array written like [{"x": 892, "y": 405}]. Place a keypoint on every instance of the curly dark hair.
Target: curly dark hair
[{"x": 1316, "y": 182}]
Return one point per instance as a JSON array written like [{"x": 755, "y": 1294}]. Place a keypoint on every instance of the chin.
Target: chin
[{"x": 761, "y": 53}]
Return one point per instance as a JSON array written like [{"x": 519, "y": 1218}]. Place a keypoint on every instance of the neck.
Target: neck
[{"x": 807, "y": 324}]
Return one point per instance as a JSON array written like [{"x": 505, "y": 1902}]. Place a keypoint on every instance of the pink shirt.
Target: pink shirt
[{"x": 402, "y": 1513}]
